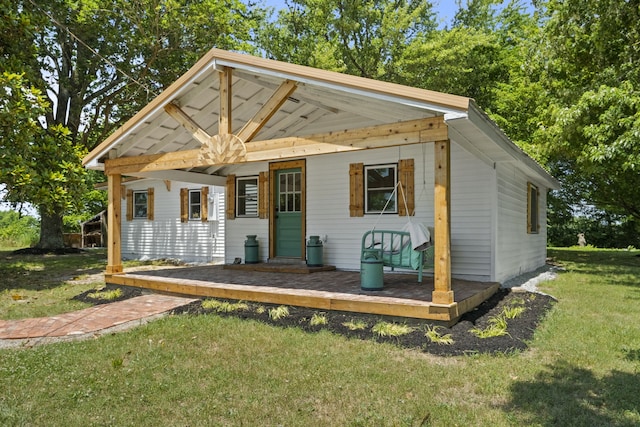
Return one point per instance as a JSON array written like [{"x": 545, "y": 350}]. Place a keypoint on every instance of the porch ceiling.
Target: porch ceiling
[{"x": 322, "y": 102}]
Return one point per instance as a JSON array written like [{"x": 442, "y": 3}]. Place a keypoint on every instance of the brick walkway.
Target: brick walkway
[{"x": 91, "y": 321}]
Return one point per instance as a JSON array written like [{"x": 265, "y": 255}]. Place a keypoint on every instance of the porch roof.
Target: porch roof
[{"x": 276, "y": 101}]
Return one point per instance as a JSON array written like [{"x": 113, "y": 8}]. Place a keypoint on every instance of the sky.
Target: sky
[{"x": 445, "y": 9}]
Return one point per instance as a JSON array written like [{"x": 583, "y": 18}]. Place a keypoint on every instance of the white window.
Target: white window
[
  {"x": 380, "y": 181},
  {"x": 195, "y": 204},
  {"x": 533, "y": 216},
  {"x": 247, "y": 196},
  {"x": 140, "y": 204}
]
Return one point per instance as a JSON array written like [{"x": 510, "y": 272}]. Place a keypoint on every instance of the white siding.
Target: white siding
[
  {"x": 328, "y": 208},
  {"x": 518, "y": 251},
  {"x": 166, "y": 236},
  {"x": 237, "y": 229},
  {"x": 472, "y": 210}
]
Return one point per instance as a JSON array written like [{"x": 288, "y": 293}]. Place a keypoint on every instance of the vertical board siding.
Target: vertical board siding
[
  {"x": 166, "y": 236},
  {"x": 517, "y": 251}
]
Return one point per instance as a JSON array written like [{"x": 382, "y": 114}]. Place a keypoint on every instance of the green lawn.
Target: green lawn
[{"x": 582, "y": 369}]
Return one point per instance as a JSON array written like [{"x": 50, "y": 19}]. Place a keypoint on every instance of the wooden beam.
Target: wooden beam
[
  {"x": 442, "y": 293},
  {"x": 279, "y": 97},
  {"x": 225, "y": 121},
  {"x": 387, "y": 135},
  {"x": 114, "y": 213},
  {"x": 183, "y": 118}
]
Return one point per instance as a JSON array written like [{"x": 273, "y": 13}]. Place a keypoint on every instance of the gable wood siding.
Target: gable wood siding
[{"x": 166, "y": 236}]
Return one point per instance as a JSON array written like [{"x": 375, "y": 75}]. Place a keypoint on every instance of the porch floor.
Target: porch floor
[{"x": 402, "y": 295}]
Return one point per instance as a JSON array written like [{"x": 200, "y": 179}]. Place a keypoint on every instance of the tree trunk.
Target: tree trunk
[{"x": 50, "y": 230}]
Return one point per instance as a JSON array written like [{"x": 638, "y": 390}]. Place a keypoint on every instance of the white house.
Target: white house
[
  {"x": 303, "y": 152},
  {"x": 172, "y": 219}
]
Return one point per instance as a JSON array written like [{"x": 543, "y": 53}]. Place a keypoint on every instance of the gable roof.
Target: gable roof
[{"x": 322, "y": 102}]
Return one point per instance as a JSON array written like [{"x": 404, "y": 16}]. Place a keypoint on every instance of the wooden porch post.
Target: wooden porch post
[
  {"x": 114, "y": 212},
  {"x": 442, "y": 293}
]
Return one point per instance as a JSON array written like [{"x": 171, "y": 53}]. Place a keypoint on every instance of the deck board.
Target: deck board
[{"x": 402, "y": 295}]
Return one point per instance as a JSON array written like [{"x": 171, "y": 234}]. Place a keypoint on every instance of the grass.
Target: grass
[
  {"x": 582, "y": 369},
  {"x": 43, "y": 285}
]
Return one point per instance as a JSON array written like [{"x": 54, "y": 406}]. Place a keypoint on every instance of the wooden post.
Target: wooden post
[
  {"x": 442, "y": 293},
  {"x": 225, "y": 119},
  {"x": 114, "y": 212}
]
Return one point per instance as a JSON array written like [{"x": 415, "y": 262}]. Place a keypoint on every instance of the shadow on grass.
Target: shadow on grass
[
  {"x": 571, "y": 396},
  {"x": 46, "y": 271},
  {"x": 622, "y": 265}
]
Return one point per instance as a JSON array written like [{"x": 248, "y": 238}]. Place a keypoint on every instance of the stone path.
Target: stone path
[{"x": 89, "y": 322}]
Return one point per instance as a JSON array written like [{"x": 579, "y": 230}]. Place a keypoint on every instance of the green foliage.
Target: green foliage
[
  {"x": 459, "y": 61},
  {"x": 38, "y": 165},
  {"x": 436, "y": 337},
  {"x": 223, "y": 306},
  {"x": 364, "y": 38},
  {"x": 17, "y": 231},
  {"x": 497, "y": 327},
  {"x": 591, "y": 124},
  {"x": 355, "y": 325},
  {"x": 388, "y": 329},
  {"x": 99, "y": 62},
  {"x": 318, "y": 319},
  {"x": 279, "y": 312},
  {"x": 106, "y": 295}
]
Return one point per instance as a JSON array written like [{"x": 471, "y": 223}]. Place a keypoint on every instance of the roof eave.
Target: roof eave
[
  {"x": 489, "y": 127},
  {"x": 394, "y": 93}
]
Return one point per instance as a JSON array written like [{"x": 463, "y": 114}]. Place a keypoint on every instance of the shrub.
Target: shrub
[{"x": 386, "y": 329}]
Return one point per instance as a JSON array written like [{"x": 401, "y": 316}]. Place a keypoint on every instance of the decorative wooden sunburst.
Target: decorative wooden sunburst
[{"x": 223, "y": 149}]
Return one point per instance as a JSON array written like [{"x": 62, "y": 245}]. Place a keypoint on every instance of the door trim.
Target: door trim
[{"x": 273, "y": 168}]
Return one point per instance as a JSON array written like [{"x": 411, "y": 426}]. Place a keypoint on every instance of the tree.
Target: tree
[
  {"x": 39, "y": 165},
  {"x": 364, "y": 37},
  {"x": 100, "y": 61},
  {"x": 588, "y": 59}
]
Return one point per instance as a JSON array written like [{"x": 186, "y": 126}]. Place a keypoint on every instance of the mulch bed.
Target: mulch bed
[
  {"x": 126, "y": 293},
  {"x": 520, "y": 329}
]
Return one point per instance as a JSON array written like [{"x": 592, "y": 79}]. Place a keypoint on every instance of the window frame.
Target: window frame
[
  {"x": 245, "y": 197},
  {"x": 388, "y": 210},
  {"x": 533, "y": 209},
  {"x": 136, "y": 205},
  {"x": 191, "y": 205}
]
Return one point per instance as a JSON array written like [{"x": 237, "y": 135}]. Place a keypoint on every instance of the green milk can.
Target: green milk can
[{"x": 314, "y": 252}]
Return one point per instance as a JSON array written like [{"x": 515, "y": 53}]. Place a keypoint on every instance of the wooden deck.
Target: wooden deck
[{"x": 402, "y": 295}]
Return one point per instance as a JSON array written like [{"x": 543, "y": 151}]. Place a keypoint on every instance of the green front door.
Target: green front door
[{"x": 288, "y": 224}]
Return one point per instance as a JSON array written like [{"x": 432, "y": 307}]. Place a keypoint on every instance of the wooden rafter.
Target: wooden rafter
[
  {"x": 388, "y": 135},
  {"x": 253, "y": 126},
  {"x": 183, "y": 118}
]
